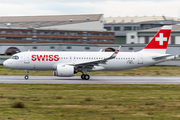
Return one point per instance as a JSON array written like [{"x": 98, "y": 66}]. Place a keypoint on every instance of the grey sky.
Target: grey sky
[{"x": 113, "y": 8}]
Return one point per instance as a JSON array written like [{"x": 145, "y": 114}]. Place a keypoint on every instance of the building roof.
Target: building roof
[
  {"x": 57, "y": 44},
  {"x": 174, "y": 29},
  {"x": 138, "y": 19},
  {"x": 44, "y": 21}
]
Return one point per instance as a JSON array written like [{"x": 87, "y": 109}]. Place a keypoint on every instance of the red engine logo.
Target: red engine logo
[{"x": 45, "y": 57}]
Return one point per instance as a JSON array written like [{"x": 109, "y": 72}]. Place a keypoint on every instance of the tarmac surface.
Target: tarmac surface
[{"x": 93, "y": 80}]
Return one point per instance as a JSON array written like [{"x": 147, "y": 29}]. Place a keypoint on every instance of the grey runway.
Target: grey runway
[{"x": 93, "y": 80}]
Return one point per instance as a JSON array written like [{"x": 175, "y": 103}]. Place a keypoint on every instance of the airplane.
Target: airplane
[{"x": 66, "y": 64}]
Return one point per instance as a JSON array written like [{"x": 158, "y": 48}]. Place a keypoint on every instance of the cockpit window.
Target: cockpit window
[{"x": 15, "y": 57}]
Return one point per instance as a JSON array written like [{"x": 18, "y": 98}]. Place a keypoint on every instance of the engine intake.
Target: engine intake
[{"x": 64, "y": 71}]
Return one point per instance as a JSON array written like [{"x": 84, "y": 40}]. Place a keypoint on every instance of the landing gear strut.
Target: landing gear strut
[
  {"x": 84, "y": 75},
  {"x": 27, "y": 75}
]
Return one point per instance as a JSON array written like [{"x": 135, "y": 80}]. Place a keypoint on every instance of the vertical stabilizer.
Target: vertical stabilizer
[{"x": 160, "y": 41}]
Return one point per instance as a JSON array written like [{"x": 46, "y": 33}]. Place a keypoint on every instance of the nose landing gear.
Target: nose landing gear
[{"x": 27, "y": 75}]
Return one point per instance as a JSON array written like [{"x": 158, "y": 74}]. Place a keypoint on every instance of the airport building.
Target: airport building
[
  {"x": 26, "y": 35},
  {"x": 22, "y": 33},
  {"x": 87, "y": 29},
  {"x": 145, "y": 36},
  {"x": 126, "y": 28}
]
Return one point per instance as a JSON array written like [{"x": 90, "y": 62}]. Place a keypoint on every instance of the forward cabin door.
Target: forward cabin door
[
  {"x": 27, "y": 58},
  {"x": 140, "y": 59}
]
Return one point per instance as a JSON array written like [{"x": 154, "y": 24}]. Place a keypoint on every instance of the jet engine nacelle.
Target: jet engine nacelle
[{"x": 64, "y": 71}]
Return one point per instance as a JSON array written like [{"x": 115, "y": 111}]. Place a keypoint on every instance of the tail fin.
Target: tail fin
[{"x": 160, "y": 41}]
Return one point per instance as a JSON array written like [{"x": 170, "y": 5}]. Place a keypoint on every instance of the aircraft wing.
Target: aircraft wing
[{"x": 96, "y": 62}]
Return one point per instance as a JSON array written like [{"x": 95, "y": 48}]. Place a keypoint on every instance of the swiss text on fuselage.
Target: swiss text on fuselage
[{"x": 45, "y": 57}]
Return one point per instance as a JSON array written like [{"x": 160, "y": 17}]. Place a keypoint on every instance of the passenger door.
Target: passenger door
[
  {"x": 140, "y": 59},
  {"x": 27, "y": 58}
]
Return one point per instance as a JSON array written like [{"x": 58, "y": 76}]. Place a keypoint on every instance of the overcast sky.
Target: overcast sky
[{"x": 113, "y": 8}]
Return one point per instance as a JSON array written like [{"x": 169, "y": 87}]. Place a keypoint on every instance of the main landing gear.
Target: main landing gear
[
  {"x": 27, "y": 75},
  {"x": 85, "y": 77}
]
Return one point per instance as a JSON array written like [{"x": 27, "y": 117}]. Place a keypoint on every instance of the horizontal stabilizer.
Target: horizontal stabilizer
[{"x": 162, "y": 56}]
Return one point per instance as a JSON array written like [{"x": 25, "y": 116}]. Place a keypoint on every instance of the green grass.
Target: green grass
[
  {"x": 144, "y": 71},
  {"x": 89, "y": 102}
]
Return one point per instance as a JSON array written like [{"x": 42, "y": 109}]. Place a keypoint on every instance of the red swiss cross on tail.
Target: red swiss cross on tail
[{"x": 160, "y": 40}]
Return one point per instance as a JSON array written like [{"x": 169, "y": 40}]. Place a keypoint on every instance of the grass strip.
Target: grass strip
[{"x": 89, "y": 102}]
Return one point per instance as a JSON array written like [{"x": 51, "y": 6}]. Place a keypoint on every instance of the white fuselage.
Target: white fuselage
[
  {"x": 32, "y": 60},
  {"x": 66, "y": 64}
]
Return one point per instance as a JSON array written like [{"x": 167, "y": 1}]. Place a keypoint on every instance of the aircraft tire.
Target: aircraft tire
[
  {"x": 26, "y": 77},
  {"x": 86, "y": 77},
  {"x": 82, "y": 76}
]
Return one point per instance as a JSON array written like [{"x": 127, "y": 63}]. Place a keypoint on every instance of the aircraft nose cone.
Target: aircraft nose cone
[{"x": 5, "y": 63}]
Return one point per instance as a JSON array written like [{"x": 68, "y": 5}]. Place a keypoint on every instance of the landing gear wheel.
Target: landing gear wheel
[
  {"x": 86, "y": 77},
  {"x": 82, "y": 76},
  {"x": 26, "y": 77}
]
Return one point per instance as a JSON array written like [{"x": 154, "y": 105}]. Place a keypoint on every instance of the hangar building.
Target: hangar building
[
  {"x": 126, "y": 28},
  {"x": 21, "y": 33}
]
